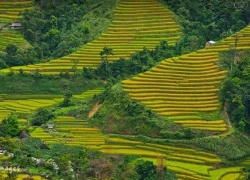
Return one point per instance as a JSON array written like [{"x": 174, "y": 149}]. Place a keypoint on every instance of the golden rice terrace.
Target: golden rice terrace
[{"x": 181, "y": 88}]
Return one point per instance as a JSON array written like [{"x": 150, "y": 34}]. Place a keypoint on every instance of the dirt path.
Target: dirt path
[{"x": 94, "y": 110}]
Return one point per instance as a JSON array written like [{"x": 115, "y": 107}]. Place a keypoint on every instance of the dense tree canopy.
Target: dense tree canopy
[
  {"x": 9, "y": 126},
  {"x": 207, "y": 20},
  {"x": 235, "y": 90}
]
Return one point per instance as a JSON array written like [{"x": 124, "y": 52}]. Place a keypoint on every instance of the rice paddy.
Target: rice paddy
[
  {"x": 10, "y": 10},
  {"x": 135, "y": 24},
  {"x": 88, "y": 93},
  {"x": 179, "y": 88},
  {"x": 24, "y": 106},
  {"x": 184, "y": 161},
  {"x": 8, "y": 36},
  {"x": 186, "y": 86}
]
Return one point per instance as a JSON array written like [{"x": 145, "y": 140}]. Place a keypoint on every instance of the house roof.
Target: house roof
[
  {"x": 211, "y": 42},
  {"x": 16, "y": 24}
]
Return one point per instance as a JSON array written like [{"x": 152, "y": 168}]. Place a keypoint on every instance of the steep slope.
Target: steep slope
[
  {"x": 9, "y": 10},
  {"x": 136, "y": 24},
  {"x": 182, "y": 88}
]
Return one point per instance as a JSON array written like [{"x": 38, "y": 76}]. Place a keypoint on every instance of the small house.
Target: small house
[
  {"x": 210, "y": 43},
  {"x": 16, "y": 25},
  {"x": 50, "y": 126}
]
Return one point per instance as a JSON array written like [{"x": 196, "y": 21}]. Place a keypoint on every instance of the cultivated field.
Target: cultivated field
[
  {"x": 183, "y": 88},
  {"x": 187, "y": 163},
  {"x": 10, "y": 10},
  {"x": 8, "y": 36}
]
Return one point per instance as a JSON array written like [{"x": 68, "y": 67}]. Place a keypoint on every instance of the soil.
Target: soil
[{"x": 94, "y": 110}]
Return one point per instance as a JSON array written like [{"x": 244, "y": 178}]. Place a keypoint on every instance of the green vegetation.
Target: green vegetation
[
  {"x": 150, "y": 107},
  {"x": 235, "y": 88},
  {"x": 120, "y": 115},
  {"x": 191, "y": 82},
  {"x": 9, "y": 126},
  {"x": 11, "y": 9},
  {"x": 137, "y": 63},
  {"x": 57, "y": 28},
  {"x": 11, "y": 37},
  {"x": 227, "y": 147},
  {"x": 209, "y": 20},
  {"x": 44, "y": 85},
  {"x": 86, "y": 164},
  {"x": 126, "y": 35},
  {"x": 41, "y": 117}
]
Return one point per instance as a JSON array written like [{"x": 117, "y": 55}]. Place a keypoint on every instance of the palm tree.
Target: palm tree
[{"x": 104, "y": 55}]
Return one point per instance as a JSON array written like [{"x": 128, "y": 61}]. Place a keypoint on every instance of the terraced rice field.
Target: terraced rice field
[
  {"x": 187, "y": 163},
  {"x": 88, "y": 93},
  {"x": 9, "y": 10},
  {"x": 181, "y": 88},
  {"x": 136, "y": 23},
  {"x": 24, "y": 106},
  {"x": 22, "y": 176},
  {"x": 230, "y": 173},
  {"x": 8, "y": 36}
]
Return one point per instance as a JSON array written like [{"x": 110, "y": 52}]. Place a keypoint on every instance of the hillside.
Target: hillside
[
  {"x": 127, "y": 34},
  {"x": 191, "y": 83},
  {"x": 151, "y": 108}
]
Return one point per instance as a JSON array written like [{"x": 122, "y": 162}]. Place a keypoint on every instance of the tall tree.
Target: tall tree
[
  {"x": 10, "y": 126},
  {"x": 104, "y": 56}
]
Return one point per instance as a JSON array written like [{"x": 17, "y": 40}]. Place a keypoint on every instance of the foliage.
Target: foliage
[
  {"x": 9, "y": 126},
  {"x": 121, "y": 115},
  {"x": 231, "y": 147},
  {"x": 104, "y": 56},
  {"x": 30, "y": 84},
  {"x": 207, "y": 20},
  {"x": 57, "y": 28},
  {"x": 235, "y": 90},
  {"x": 16, "y": 56},
  {"x": 146, "y": 170},
  {"x": 41, "y": 116},
  {"x": 67, "y": 100},
  {"x": 138, "y": 62},
  {"x": 73, "y": 162}
]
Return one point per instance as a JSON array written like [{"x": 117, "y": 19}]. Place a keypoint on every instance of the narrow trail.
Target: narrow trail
[{"x": 94, "y": 110}]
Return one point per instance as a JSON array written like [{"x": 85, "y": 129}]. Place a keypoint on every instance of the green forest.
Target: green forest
[{"x": 124, "y": 90}]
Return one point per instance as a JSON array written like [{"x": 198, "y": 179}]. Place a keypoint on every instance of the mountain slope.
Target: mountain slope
[{"x": 182, "y": 88}]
